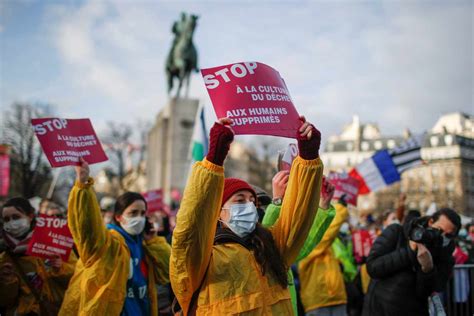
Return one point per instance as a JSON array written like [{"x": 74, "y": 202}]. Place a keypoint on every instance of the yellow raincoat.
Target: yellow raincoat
[
  {"x": 17, "y": 297},
  {"x": 321, "y": 279},
  {"x": 98, "y": 286},
  {"x": 233, "y": 283}
]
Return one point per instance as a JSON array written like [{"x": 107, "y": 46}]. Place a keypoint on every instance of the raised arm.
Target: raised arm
[
  {"x": 324, "y": 216},
  {"x": 196, "y": 222},
  {"x": 333, "y": 230},
  {"x": 84, "y": 219},
  {"x": 322, "y": 222},
  {"x": 301, "y": 197}
]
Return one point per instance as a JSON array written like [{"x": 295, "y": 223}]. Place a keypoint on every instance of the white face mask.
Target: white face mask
[
  {"x": 243, "y": 218},
  {"x": 344, "y": 228},
  {"x": 134, "y": 225},
  {"x": 17, "y": 227}
]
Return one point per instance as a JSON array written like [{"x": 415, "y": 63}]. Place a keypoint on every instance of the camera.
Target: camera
[{"x": 420, "y": 233}]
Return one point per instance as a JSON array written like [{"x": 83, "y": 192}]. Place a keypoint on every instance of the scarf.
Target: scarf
[
  {"x": 17, "y": 245},
  {"x": 137, "y": 301}
]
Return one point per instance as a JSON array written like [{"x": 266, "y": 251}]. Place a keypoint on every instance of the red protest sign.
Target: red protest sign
[
  {"x": 4, "y": 174},
  {"x": 154, "y": 200},
  {"x": 254, "y": 96},
  {"x": 51, "y": 237},
  {"x": 65, "y": 140},
  {"x": 362, "y": 241},
  {"x": 344, "y": 184}
]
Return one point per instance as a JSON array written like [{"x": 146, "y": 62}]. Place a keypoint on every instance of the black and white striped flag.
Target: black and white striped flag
[{"x": 408, "y": 154}]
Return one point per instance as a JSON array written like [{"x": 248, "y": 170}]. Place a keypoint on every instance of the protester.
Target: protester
[
  {"x": 107, "y": 209},
  {"x": 44, "y": 205},
  {"x": 51, "y": 208},
  {"x": 119, "y": 266},
  {"x": 322, "y": 282},
  {"x": 404, "y": 272},
  {"x": 389, "y": 218},
  {"x": 241, "y": 267},
  {"x": 323, "y": 219},
  {"x": 470, "y": 231},
  {"x": 263, "y": 200},
  {"x": 344, "y": 252},
  {"x": 28, "y": 285}
]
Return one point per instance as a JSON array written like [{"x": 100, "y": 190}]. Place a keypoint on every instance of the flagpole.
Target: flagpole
[{"x": 53, "y": 183}]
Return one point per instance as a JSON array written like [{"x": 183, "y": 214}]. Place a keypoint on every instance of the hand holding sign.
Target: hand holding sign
[
  {"x": 55, "y": 262},
  {"x": 327, "y": 192},
  {"x": 220, "y": 138},
  {"x": 279, "y": 184},
  {"x": 64, "y": 141},
  {"x": 309, "y": 140},
  {"x": 82, "y": 171},
  {"x": 254, "y": 96}
]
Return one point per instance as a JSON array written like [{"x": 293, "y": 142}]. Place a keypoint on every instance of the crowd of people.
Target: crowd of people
[{"x": 233, "y": 249}]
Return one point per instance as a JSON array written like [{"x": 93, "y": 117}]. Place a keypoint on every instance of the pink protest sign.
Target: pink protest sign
[
  {"x": 362, "y": 241},
  {"x": 51, "y": 237},
  {"x": 154, "y": 200},
  {"x": 254, "y": 96},
  {"x": 344, "y": 184},
  {"x": 65, "y": 140},
  {"x": 4, "y": 174}
]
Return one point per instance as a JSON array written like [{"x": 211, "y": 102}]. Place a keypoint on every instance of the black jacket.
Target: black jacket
[{"x": 398, "y": 286}]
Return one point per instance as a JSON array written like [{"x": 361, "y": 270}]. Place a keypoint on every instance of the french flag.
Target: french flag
[
  {"x": 375, "y": 173},
  {"x": 385, "y": 166}
]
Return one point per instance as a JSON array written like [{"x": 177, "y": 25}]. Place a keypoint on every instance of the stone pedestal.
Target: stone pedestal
[{"x": 169, "y": 140}]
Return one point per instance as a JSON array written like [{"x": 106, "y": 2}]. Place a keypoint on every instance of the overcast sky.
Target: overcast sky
[{"x": 400, "y": 63}]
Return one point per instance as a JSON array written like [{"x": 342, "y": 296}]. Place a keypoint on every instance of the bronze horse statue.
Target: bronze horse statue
[{"x": 182, "y": 58}]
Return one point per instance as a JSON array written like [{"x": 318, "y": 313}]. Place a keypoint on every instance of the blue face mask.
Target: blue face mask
[{"x": 243, "y": 218}]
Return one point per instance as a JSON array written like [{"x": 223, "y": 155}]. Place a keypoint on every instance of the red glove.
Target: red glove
[
  {"x": 220, "y": 139},
  {"x": 309, "y": 148}
]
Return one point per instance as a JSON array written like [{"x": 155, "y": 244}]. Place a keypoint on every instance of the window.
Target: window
[
  {"x": 349, "y": 146},
  {"x": 449, "y": 170},
  {"x": 448, "y": 140},
  {"x": 378, "y": 145},
  {"x": 434, "y": 141},
  {"x": 391, "y": 143},
  {"x": 365, "y": 146}
]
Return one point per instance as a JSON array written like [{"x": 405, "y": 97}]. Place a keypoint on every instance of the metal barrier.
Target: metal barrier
[{"x": 459, "y": 295}]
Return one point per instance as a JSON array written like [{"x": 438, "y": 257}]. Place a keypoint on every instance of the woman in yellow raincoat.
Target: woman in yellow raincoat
[
  {"x": 222, "y": 261},
  {"x": 120, "y": 265},
  {"x": 28, "y": 285},
  {"x": 321, "y": 280}
]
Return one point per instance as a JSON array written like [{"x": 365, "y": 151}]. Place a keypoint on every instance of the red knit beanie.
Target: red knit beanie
[{"x": 232, "y": 185}]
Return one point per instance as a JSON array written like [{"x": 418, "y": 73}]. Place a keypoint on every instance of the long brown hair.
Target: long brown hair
[{"x": 267, "y": 255}]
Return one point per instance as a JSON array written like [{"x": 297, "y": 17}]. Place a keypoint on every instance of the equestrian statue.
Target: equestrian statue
[{"x": 182, "y": 58}]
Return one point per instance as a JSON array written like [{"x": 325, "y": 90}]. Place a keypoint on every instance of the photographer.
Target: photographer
[{"x": 408, "y": 263}]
